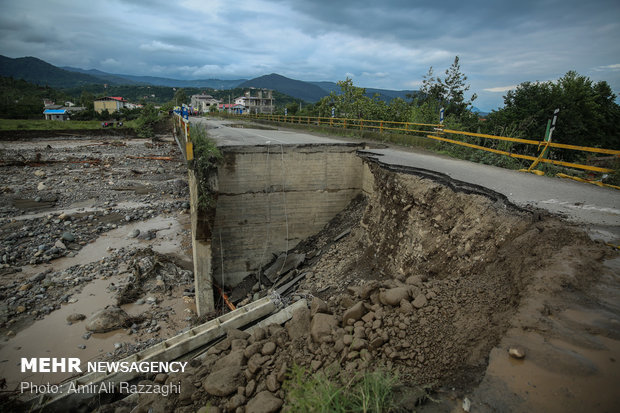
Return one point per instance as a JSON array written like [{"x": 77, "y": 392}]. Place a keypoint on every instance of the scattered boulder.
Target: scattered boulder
[
  {"x": 235, "y": 358},
  {"x": 67, "y": 236},
  {"x": 393, "y": 296},
  {"x": 354, "y": 313},
  {"x": 234, "y": 333},
  {"x": 414, "y": 280},
  {"x": 318, "y": 306},
  {"x": 516, "y": 352},
  {"x": 272, "y": 383},
  {"x": 75, "y": 317},
  {"x": 358, "y": 344},
  {"x": 108, "y": 319},
  {"x": 268, "y": 348},
  {"x": 322, "y": 325},
  {"x": 405, "y": 306},
  {"x": 264, "y": 402},
  {"x": 299, "y": 324},
  {"x": 234, "y": 402},
  {"x": 420, "y": 301},
  {"x": 224, "y": 382},
  {"x": 252, "y": 349}
]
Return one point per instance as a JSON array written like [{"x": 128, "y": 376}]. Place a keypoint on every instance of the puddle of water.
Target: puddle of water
[
  {"x": 78, "y": 207},
  {"x": 557, "y": 376},
  {"x": 54, "y": 337},
  {"x": 167, "y": 242}
]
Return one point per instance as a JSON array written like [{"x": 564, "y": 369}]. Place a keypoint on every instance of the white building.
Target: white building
[
  {"x": 202, "y": 103},
  {"x": 261, "y": 101}
]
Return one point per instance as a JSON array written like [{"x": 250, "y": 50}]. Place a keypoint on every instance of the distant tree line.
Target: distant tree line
[{"x": 589, "y": 114}]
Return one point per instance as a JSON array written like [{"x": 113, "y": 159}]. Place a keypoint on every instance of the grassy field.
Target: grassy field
[{"x": 41, "y": 124}]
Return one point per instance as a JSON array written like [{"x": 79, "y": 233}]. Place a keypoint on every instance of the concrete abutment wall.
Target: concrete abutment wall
[{"x": 269, "y": 198}]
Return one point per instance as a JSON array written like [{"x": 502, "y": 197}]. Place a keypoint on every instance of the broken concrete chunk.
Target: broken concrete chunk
[
  {"x": 284, "y": 264},
  {"x": 342, "y": 234}
]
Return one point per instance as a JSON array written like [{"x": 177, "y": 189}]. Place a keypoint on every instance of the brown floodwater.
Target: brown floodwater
[{"x": 53, "y": 336}]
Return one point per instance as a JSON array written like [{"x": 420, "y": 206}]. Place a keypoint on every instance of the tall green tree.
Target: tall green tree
[
  {"x": 455, "y": 87},
  {"x": 180, "y": 97},
  {"x": 588, "y": 114},
  {"x": 449, "y": 93}
]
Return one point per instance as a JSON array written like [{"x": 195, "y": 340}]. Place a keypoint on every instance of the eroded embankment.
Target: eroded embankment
[
  {"x": 415, "y": 279},
  {"x": 465, "y": 260}
]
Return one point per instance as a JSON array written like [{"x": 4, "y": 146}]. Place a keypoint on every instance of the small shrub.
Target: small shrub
[
  {"x": 371, "y": 392},
  {"x": 206, "y": 157}
]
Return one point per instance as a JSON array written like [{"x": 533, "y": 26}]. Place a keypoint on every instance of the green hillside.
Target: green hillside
[{"x": 42, "y": 73}]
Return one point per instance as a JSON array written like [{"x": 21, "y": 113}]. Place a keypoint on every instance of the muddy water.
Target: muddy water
[
  {"x": 54, "y": 337},
  {"x": 572, "y": 361},
  {"x": 558, "y": 376},
  {"x": 167, "y": 242},
  {"x": 75, "y": 208}
]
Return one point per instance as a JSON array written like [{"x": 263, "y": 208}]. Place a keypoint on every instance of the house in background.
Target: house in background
[
  {"x": 203, "y": 102},
  {"x": 257, "y": 100},
  {"x": 111, "y": 103},
  {"x": 55, "y": 114},
  {"x": 61, "y": 112},
  {"x": 235, "y": 108}
]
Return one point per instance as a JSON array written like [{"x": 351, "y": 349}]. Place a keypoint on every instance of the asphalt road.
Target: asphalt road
[
  {"x": 226, "y": 135},
  {"x": 595, "y": 207}
]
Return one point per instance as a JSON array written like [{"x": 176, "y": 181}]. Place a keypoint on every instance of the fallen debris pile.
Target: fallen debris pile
[{"x": 416, "y": 280}]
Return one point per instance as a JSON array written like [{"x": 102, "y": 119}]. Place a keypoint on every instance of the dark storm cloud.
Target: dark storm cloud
[{"x": 388, "y": 44}]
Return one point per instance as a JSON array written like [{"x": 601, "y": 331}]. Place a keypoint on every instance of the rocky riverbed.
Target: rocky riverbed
[{"x": 85, "y": 224}]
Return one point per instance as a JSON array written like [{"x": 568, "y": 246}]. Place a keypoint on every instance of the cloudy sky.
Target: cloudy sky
[{"x": 384, "y": 44}]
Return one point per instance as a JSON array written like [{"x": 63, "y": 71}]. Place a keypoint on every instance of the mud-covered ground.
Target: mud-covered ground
[
  {"x": 437, "y": 288},
  {"x": 87, "y": 223}
]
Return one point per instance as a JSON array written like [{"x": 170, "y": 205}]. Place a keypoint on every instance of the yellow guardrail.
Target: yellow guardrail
[
  {"x": 436, "y": 132},
  {"x": 348, "y": 123},
  {"x": 531, "y": 142}
]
